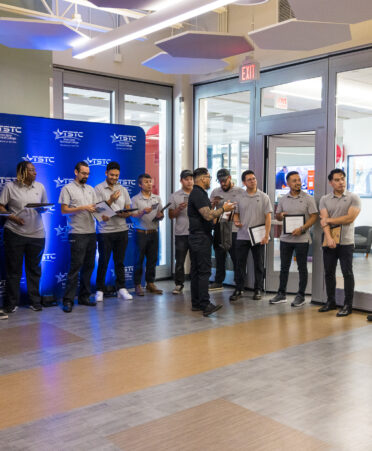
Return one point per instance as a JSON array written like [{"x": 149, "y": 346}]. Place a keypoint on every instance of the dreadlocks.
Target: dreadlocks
[{"x": 22, "y": 172}]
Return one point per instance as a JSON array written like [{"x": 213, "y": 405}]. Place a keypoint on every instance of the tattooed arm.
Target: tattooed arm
[{"x": 209, "y": 214}]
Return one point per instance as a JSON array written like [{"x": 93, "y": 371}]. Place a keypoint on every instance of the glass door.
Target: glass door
[{"x": 288, "y": 152}]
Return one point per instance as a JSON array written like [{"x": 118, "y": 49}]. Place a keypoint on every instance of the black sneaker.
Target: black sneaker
[
  {"x": 36, "y": 307},
  {"x": 369, "y": 318},
  {"x": 215, "y": 286},
  {"x": 298, "y": 301},
  {"x": 3, "y": 315},
  {"x": 211, "y": 309},
  {"x": 257, "y": 295},
  {"x": 236, "y": 295},
  {"x": 87, "y": 302},
  {"x": 278, "y": 299}
]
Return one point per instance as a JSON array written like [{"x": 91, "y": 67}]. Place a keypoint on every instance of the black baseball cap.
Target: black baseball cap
[
  {"x": 222, "y": 173},
  {"x": 185, "y": 173}
]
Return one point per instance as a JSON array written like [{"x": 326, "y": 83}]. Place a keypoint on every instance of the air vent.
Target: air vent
[{"x": 285, "y": 12}]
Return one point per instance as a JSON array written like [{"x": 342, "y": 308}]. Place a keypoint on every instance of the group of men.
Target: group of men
[
  {"x": 24, "y": 234},
  {"x": 198, "y": 220}
]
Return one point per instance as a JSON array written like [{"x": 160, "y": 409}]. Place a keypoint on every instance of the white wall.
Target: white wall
[{"x": 24, "y": 81}]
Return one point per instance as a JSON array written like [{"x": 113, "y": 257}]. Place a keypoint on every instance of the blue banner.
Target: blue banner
[{"x": 54, "y": 147}]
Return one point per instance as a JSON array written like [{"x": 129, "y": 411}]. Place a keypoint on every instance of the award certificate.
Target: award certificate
[
  {"x": 293, "y": 222},
  {"x": 103, "y": 209},
  {"x": 257, "y": 233}
]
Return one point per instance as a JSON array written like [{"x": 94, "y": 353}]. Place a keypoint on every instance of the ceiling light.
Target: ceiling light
[{"x": 151, "y": 23}]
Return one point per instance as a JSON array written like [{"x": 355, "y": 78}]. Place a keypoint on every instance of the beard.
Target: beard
[
  {"x": 83, "y": 181},
  {"x": 226, "y": 188}
]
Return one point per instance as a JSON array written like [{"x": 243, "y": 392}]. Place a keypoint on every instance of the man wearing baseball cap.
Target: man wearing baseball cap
[
  {"x": 178, "y": 211},
  {"x": 226, "y": 191}
]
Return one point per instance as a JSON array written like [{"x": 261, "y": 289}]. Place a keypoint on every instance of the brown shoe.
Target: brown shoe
[
  {"x": 139, "y": 291},
  {"x": 152, "y": 288}
]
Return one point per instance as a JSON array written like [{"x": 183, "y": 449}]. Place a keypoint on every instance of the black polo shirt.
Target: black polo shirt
[{"x": 198, "y": 199}]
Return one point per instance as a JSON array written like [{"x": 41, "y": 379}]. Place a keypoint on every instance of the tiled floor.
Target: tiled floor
[{"x": 100, "y": 372}]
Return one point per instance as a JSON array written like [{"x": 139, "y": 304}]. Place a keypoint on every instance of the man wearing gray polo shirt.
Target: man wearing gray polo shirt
[
  {"x": 339, "y": 208},
  {"x": 24, "y": 235},
  {"x": 78, "y": 201},
  {"x": 253, "y": 209},
  {"x": 112, "y": 234},
  {"x": 296, "y": 202},
  {"x": 146, "y": 223},
  {"x": 226, "y": 192},
  {"x": 178, "y": 211}
]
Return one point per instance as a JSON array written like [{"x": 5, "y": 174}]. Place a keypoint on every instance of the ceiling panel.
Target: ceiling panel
[
  {"x": 300, "y": 35},
  {"x": 167, "y": 64},
  {"x": 199, "y": 44}
]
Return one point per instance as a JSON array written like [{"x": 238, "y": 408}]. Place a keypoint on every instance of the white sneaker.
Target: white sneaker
[
  {"x": 99, "y": 296},
  {"x": 178, "y": 289},
  {"x": 124, "y": 294}
]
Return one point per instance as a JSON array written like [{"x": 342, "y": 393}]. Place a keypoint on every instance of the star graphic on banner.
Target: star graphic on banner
[
  {"x": 58, "y": 134},
  {"x": 61, "y": 277},
  {"x": 27, "y": 158},
  {"x": 60, "y": 230}
]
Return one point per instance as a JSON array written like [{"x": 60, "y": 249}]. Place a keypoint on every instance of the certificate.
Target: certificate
[
  {"x": 293, "y": 222},
  {"x": 126, "y": 210},
  {"x": 257, "y": 233},
  {"x": 103, "y": 209},
  {"x": 162, "y": 211},
  {"x": 335, "y": 234},
  {"x": 39, "y": 205}
]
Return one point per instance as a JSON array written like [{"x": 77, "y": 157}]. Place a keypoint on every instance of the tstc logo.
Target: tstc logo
[
  {"x": 130, "y": 229},
  {"x": 68, "y": 134},
  {"x": 68, "y": 138},
  {"x": 129, "y": 184},
  {"x": 60, "y": 183},
  {"x": 129, "y": 272},
  {"x": 61, "y": 278},
  {"x": 5, "y": 180},
  {"x": 62, "y": 232},
  {"x": 10, "y": 129},
  {"x": 39, "y": 159},
  {"x": 51, "y": 210},
  {"x": 49, "y": 258},
  {"x": 98, "y": 161},
  {"x": 125, "y": 142},
  {"x": 10, "y": 133}
]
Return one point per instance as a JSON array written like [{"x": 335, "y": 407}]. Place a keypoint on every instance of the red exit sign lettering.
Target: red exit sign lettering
[{"x": 249, "y": 71}]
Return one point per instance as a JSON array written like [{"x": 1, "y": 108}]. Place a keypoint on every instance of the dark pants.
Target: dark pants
[
  {"x": 16, "y": 248},
  {"x": 221, "y": 255},
  {"x": 182, "y": 248},
  {"x": 115, "y": 244},
  {"x": 201, "y": 265},
  {"x": 344, "y": 253},
  {"x": 147, "y": 246},
  {"x": 258, "y": 253},
  {"x": 83, "y": 253},
  {"x": 286, "y": 253}
]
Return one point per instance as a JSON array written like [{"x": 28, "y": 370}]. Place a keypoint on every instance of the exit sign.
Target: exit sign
[{"x": 249, "y": 71}]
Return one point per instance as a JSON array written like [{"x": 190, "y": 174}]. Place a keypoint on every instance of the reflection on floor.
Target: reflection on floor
[
  {"x": 152, "y": 375},
  {"x": 362, "y": 270}
]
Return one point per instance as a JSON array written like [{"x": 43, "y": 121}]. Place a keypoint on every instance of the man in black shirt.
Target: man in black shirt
[{"x": 201, "y": 219}]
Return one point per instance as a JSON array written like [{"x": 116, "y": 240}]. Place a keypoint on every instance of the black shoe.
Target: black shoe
[
  {"x": 369, "y": 318},
  {"x": 195, "y": 309},
  {"x": 327, "y": 307},
  {"x": 345, "y": 310},
  {"x": 298, "y": 301},
  {"x": 257, "y": 295},
  {"x": 211, "y": 309},
  {"x": 87, "y": 302},
  {"x": 36, "y": 307},
  {"x": 214, "y": 286},
  {"x": 236, "y": 295},
  {"x": 67, "y": 307},
  {"x": 11, "y": 309}
]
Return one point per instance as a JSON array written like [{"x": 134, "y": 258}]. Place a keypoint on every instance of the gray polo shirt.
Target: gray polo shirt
[
  {"x": 233, "y": 195},
  {"x": 75, "y": 195},
  {"x": 182, "y": 220},
  {"x": 252, "y": 209},
  {"x": 114, "y": 224},
  {"x": 15, "y": 197},
  {"x": 303, "y": 204},
  {"x": 339, "y": 206},
  {"x": 140, "y": 202}
]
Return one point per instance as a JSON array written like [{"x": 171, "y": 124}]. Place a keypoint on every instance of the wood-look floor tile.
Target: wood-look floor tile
[
  {"x": 64, "y": 386},
  {"x": 32, "y": 337},
  {"x": 215, "y": 426}
]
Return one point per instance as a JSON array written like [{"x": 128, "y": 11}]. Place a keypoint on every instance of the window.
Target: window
[
  {"x": 87, "y": 105},
  {"x": 353, "y": 153},
  {"x": 224, "y": 134},
  {"x": 292, "y": 97}
]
